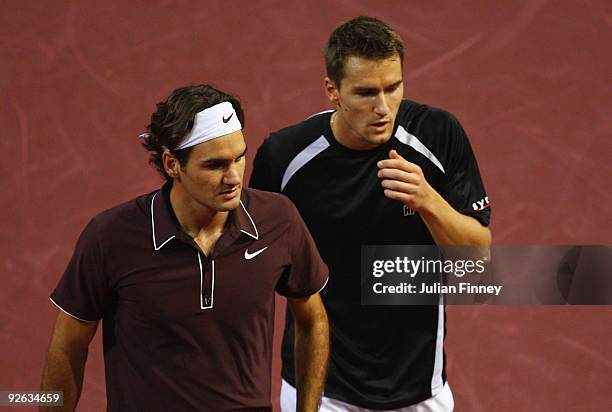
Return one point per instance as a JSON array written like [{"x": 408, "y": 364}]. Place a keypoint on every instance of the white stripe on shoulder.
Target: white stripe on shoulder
[
  {"x": 304, "y": 157},
  {"x": 411, "y": 140},
  {"x": 318, "y": 113}
]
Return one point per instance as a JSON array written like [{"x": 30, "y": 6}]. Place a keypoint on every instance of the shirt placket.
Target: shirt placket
[
  {"x": 207, "y": 266},
  {"x": 207, "y": 281}
]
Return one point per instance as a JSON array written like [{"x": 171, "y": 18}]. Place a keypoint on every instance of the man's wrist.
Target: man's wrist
[{"x": 433, "y": 207}]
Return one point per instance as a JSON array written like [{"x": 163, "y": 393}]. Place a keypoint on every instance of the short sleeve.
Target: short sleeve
[
  {"x": 83, "y": 290},
  {"x": 463, "y": 187},
  {"x": 307, "y": 274},
  {"x": 261, "y": 176}
]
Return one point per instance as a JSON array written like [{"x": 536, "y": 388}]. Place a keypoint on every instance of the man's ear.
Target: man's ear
[
  {"x": 171, "y": 164},
  {"x": 332, "y": 91}
]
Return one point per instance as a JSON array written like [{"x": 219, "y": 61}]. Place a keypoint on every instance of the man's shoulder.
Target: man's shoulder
[
  {"x": 299, "y": 135},
  {"x": 273, "y": 208},
  {"x": 130, "y": 211},
  {"x": 273, "y": 202},
  {"x": 436, "y": 128},
  {"x": 282, "y": 147},
  {"x": 413, "y": 112},
  {"x": 116, "y": 224}
]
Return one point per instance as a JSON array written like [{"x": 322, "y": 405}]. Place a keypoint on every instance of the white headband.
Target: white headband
[{"x": 216, "y": 121}]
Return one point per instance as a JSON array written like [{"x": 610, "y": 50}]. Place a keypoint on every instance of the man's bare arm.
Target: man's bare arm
[
  {"x": 311, "y": 350},
  {"x": 66, "y": 359},
  {"x": 404, "y": 181}
]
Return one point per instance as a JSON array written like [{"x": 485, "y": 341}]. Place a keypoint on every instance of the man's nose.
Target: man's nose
[
  {"x": 381, "y": 106},
  {"x": 232, "y": 177}
]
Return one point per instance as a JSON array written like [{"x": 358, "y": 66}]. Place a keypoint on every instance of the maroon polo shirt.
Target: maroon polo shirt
[{"x": 184, "y": 331}]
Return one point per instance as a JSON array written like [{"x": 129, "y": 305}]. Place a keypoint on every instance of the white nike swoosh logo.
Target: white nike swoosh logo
[{"x": 248, "y": 255}]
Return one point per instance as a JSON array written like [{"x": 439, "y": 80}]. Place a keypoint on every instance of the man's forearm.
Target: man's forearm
[
  {"x": 311, "y": 358},
  {"x": 64, "y": 372},
  {"x": 404, "y": 181},
  {"x": 449, "y": 227}
]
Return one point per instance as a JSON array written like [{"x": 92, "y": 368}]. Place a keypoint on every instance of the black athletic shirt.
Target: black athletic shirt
[{"x": 382, "y": 357}]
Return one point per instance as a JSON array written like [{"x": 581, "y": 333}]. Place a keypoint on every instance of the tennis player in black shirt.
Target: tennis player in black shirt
[{"x": 377, "y": 169}]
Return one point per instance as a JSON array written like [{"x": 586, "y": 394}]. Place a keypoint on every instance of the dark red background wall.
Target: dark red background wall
[{"x": 531, "y": 81}]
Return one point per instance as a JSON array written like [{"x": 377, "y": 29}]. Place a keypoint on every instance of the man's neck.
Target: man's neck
[
  {"x": 346, "y": 136},
  {"x": 195, "y": 219}
]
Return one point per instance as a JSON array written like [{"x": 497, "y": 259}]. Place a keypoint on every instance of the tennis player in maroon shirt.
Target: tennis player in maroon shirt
[{"x": 184, "y": 278}]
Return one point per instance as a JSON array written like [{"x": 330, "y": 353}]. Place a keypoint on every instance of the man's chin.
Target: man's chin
[
  {"x": 379, "y": 139},
  {"x": 226, "y": 206}
]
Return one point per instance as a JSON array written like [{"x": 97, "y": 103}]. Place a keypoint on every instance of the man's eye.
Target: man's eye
[{"x": 213, "y": 165}]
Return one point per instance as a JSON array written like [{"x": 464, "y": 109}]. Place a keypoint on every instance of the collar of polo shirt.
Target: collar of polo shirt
[{"x": 164, "y": 228}]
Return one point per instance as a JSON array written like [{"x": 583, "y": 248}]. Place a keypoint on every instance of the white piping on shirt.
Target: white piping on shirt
[
  {"x": 212, "y": 293},
  {"x": 318, "y": 113},
  {"x": 305, "y": 156},
  {"x": 153, "y": 228},
  {"x": 436, "y": 379},
  {"x": 256, "y": 235},
  {"x": 70, "y": 314},
  {"x": 411, "y": 140},
  {"x": 323, "y": 287}
]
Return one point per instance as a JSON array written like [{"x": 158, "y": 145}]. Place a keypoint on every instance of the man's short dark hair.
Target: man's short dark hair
[
  {"x": 365, "y": 37},
  {"x": 174, "y": 119}
]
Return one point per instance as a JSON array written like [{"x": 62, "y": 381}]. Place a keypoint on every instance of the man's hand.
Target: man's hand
[
  {"x": 405, "y": 182},
  {"x": 311, "y": 350}
]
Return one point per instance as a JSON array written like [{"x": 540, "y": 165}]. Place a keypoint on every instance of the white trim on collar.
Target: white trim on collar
[
  {"x": 153, "y": 227},
  {"x": 256, "y": 235}
]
